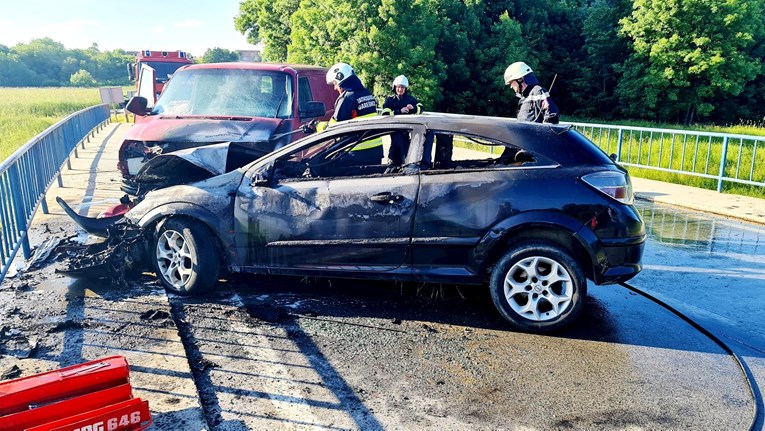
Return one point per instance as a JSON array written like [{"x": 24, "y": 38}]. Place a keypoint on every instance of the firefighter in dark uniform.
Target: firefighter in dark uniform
[
  {"x": 400, "y": 102},
  {"x": 535, "y": 104},
  {"x": 354, "y": 101}
]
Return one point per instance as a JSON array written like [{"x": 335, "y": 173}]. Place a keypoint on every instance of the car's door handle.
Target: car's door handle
[{"x": 386, "y": 197}]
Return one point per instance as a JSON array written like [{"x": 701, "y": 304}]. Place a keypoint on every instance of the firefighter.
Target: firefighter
[
  {"x": 354, "y": 101},
  {"x": 535, "y": 104},
  {"x": 400, "y": 102}
]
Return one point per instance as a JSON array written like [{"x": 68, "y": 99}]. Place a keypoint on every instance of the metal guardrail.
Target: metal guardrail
[
  {"x": 719, "y": 156},
  {"x": 27, "y": 174}
]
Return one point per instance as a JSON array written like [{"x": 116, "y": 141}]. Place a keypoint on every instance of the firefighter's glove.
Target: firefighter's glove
[
  {"x": 321, "y": 126},
  {"x": 309, "y": 128}
]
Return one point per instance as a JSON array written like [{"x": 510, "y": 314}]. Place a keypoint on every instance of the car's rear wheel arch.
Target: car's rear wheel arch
[{"x": 552, "y": 234}]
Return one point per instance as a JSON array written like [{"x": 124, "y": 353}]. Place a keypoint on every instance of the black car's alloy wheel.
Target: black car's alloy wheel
[
  {"x": 185, "y": 258},
  {"x": 538, "y": 287}
]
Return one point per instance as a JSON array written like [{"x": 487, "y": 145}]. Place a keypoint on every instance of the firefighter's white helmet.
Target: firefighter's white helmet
[
  {"x": 401, "y": 81},
  {"x": 515, "y": 71},
  {"x": 339, "y": 73}
]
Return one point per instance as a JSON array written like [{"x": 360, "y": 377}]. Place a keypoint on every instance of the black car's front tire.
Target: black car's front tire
[
  {"x": 538, "y": 287},
  {"x": 184, "y": 256}
]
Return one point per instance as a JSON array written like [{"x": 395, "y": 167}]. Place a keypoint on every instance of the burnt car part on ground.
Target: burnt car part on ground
[
  {"x": 532, "y": 211},
  {"x": 261, "y": 105}
]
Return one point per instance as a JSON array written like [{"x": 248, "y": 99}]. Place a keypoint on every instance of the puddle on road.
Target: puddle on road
[
  {"x": 709, "y": 267},
  {"x": 699, "y": 232}
]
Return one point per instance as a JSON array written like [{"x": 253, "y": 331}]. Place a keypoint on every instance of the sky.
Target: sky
[{"x": 159, "y": 25}]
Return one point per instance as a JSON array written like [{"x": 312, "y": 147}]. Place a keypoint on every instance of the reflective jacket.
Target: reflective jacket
[{"x": 355, "y": 101}]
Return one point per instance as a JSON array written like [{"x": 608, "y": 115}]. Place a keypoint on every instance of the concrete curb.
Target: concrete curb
[{"x": 708, "y": 201}]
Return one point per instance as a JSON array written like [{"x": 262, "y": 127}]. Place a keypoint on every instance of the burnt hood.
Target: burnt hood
[
  {"x": 195, "y": 164},
  {"x": 165, "y": 128}
]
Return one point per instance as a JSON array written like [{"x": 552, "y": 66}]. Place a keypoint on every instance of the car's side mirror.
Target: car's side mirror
[
  {"x": 138, "y": 105},
  {"x": 314, "y": 109},
  {"x": 613, "y": 157}
]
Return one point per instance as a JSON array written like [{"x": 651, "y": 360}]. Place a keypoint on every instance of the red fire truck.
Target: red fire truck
[{"x": 164, "y": 63}]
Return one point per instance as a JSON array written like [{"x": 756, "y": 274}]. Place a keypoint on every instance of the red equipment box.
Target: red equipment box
[{"x": 93, "y": 396}]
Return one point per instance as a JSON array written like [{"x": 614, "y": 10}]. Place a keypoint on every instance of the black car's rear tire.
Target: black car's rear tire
[
  {"x": 184, "y": 256},
  {"x": 538, "y": 287}
]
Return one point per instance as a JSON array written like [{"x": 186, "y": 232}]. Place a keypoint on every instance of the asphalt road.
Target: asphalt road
[{"x": 292, "y": 354}]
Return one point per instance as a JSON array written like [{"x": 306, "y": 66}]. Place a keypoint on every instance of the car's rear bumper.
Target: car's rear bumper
[{"x": 622, "y": 260}]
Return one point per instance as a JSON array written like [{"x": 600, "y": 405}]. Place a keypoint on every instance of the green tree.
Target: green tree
[
  {"x": 268, "y": 21},
  {"x": 604, "y": 53},
  {"x": 380, "y": 39},
  {"x": 687, "y": 54},
  {"x": 458, "y": 25},
  {"x": 110, "y": 67},
  {"x": 316, "y": 39},
  {"x": 219, "y": 55},
  {"x": 348, "y": 37},
  {"x": 502, "y": 46},
  {"x": 46, "y": 58},
  {"x": 479, "y": 39},
  {"x": 14, "y": 73},
  {"x": 402, "y": 42},
  {"x": 82, "y": 78}
]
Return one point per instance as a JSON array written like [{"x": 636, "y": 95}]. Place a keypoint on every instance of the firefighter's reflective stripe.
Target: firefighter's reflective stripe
[{"x": 372, "y": 143}]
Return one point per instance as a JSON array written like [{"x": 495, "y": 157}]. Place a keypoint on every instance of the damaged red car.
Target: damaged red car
[
  {"x": 529, "y": 211},
  {"x": 260, "y": 105}
]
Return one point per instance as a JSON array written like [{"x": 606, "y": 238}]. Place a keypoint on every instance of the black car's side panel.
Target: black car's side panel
[{"x": 487, "y": 206}]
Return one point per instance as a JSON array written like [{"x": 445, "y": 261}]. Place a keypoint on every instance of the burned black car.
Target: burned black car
[{"x": 530, "y": 210}]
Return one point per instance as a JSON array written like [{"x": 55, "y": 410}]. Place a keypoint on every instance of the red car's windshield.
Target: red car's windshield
[{"x": 227, "y": 93}]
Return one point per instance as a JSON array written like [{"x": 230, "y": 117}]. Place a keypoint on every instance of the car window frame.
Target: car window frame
[
  {"x": 416, "y": 130},
  {"x": 540, "y": 160},
  {"x": 303, "y": 88}
]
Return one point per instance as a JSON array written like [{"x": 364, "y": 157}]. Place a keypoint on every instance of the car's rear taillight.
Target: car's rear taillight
[{"x": 614, "y": 184}]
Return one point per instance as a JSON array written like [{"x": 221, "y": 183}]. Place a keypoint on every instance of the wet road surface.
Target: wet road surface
[
  {"x": 710, "y": 268},
  {"x": 284, "y": 353},
  {"x": 337, "y": 354}
]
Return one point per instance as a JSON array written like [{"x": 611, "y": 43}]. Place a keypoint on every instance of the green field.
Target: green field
[{"x": 25, "y": 112}]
